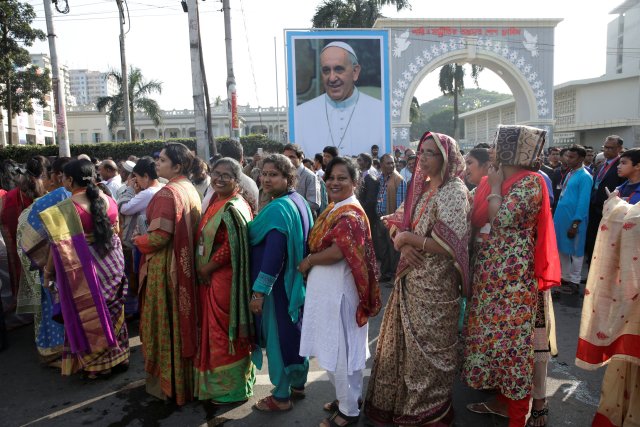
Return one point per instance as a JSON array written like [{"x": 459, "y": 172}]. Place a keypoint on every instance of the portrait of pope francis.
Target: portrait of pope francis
[{"x": 343, "y": 116}]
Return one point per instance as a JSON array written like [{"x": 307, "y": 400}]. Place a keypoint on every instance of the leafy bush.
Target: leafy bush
[{"x": 122, "y": 150}]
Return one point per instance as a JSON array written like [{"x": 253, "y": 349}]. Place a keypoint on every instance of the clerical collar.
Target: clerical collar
[{"x": 349, "y": 102}]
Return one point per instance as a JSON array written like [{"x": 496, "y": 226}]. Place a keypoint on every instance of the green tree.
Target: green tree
[
  {"x": 451, "y": 83},
  {"x": 139, "y": 91},
  {"x": 20, "y": 82},
  {"x": 414, "y": 110},
  {"x": 352, "y": 13}
]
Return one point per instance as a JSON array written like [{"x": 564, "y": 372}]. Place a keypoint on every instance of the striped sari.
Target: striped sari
[{"x": 91, "y": 289}]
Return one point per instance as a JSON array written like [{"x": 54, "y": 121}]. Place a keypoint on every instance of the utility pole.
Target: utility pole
[
  {"x": 125, "y": 79},
  {"x": 202, "y": 134},
  {"x": 231, "y": 80},
  {"x": 62, "y": 132},
  {"x": 275, "y": 58}
]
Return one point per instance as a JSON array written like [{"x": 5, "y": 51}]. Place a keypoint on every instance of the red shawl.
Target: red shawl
[
  {"x": 348, "y": 227},
  {"x": 546, "y": 258}
]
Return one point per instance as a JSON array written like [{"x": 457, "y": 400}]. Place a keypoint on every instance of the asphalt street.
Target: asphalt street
[{"x": 31, "y": 394}]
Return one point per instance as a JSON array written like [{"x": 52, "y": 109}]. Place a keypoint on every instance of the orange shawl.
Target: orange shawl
[{"x": 348, "y": 227}]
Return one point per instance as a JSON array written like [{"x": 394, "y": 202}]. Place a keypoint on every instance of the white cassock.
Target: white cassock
[{"x": 352, "y": 125}]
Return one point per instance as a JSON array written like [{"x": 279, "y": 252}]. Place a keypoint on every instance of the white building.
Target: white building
[
  {"x": 87, "y": 125},
  {"x": 585, "y": 111},
  {"x": 87, "y": 86}
]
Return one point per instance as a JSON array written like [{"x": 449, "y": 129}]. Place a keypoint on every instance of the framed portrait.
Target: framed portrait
[{"x": 338, "y": 90}]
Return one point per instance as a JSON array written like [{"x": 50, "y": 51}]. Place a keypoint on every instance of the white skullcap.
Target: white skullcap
[
  {"x": 341, "y": 45},
  {"x": 128, "y": 166}
]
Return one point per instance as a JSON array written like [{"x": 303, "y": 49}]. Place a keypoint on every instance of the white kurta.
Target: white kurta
[
  {"x": 352, "y": 125},
  {"x": 330, "y": 314}
]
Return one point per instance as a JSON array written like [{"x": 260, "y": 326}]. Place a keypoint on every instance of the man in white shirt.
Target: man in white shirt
[
  {"x": 110, "y": 177},
  {"x": 407, "y": 171},
  {"x": 343, "y": 116},
  {"x": 308, "y": 185}
]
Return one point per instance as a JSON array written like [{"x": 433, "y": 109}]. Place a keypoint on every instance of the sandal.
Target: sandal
[
  {"x": 95, "y": 375},
  {"x": 331, "y": 421},
  {"x": 297, "y": 393},
  {"x": 270, "y": 404},
  {"x": 333, "y": 406},
  {"x": 536, "y": 414},
  {"x": 483, "y": 408}
]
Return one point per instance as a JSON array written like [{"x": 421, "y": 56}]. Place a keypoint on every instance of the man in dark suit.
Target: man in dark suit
[
  {"x": 605, "y": 178},
  {"x": 367, "y": 192}
]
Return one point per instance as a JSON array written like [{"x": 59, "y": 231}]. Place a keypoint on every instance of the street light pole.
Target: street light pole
[
  {"x": 125, "y": 80},
  {"x": 234, "y": 127},
  {"x": 62, "y": 133},
  {"x": 197, "y": 84}
]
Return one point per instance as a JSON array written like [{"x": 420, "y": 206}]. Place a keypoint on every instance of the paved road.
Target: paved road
[{"x": 35, "y": 395}]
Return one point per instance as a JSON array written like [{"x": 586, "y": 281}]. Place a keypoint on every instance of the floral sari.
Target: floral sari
[{"x": 417, "y": 353}]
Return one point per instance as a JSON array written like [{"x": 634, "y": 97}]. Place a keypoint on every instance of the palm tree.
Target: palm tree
[
  {"x": 351, "y": 13},
  {"x": 452, "y": 83},
  {"x": 139, "y": 90}
]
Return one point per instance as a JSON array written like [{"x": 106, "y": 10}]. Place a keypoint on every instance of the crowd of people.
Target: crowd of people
[{"x": 282, "y": 255}]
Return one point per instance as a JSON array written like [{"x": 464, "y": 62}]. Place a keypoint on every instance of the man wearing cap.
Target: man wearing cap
[
  {"x": 343, "y": 117},
  {"x": 110, "y": 177}
]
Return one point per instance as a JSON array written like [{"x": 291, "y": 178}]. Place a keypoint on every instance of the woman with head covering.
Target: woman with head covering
[
  {"x": 223, "y": 369},
  {"x": 515, "y": 258},
  {"x": 278, "y": 238},
  {"x": 168, "y": 329},
  {"x": 88, "y": 274},
  {"x": 342, "y": 292},
  {"x": 416, "y": 356}
]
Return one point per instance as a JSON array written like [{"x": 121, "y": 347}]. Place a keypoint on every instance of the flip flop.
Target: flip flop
[
  {"x": 483, "y": 408},
  {"x": 271, "y": 405},
  {"x": 333, "y": 406}
]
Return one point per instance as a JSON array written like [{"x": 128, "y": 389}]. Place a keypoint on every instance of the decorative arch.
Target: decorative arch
[{"x": 520, "y": 51}]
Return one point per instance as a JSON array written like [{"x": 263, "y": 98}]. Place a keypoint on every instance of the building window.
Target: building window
[
  {"x": 173, "y": 134},
  {"x": 97, "y": 137},
  {"x": 83, "y": 137}
]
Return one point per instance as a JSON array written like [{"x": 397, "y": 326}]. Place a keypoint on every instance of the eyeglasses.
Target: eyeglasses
[
  {"x": 604, "y": 147},
  {"x": 429, "y": 153},
  {"x": 224, "y": 177}
]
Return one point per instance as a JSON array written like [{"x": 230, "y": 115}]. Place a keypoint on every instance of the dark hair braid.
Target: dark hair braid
[{"x": 83, "y": 174}]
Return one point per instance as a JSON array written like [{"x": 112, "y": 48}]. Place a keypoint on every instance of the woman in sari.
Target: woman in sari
[
  {"x": 167, "y": 279},
  {"x": 515, "y": 258},
  {"x": 33, "y": 249},
  {"x": 30, "y": 187},
  {"x": 278, "y": 238},
  {"x": 88, "y": 275},
  {"x": 342, "y": 292},
  {"x": 223, "y": 369},
  {"x": 609, "y": 332},
  {"x": 417, "y": 353}
]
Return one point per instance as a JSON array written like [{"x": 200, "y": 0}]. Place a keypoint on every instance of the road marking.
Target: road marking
[
  {"x": 570, "y": 387},
  {"x": 72, "y": 408}
]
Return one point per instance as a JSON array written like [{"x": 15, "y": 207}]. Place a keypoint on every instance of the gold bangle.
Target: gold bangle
[
  {"x": 308, "y": 258},
  {"x": 424, "y": 242}
]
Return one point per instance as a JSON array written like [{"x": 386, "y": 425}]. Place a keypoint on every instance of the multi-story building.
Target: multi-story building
[
  {"x": 87, "y": 86},
  {"x": 586, "y": 111}
]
